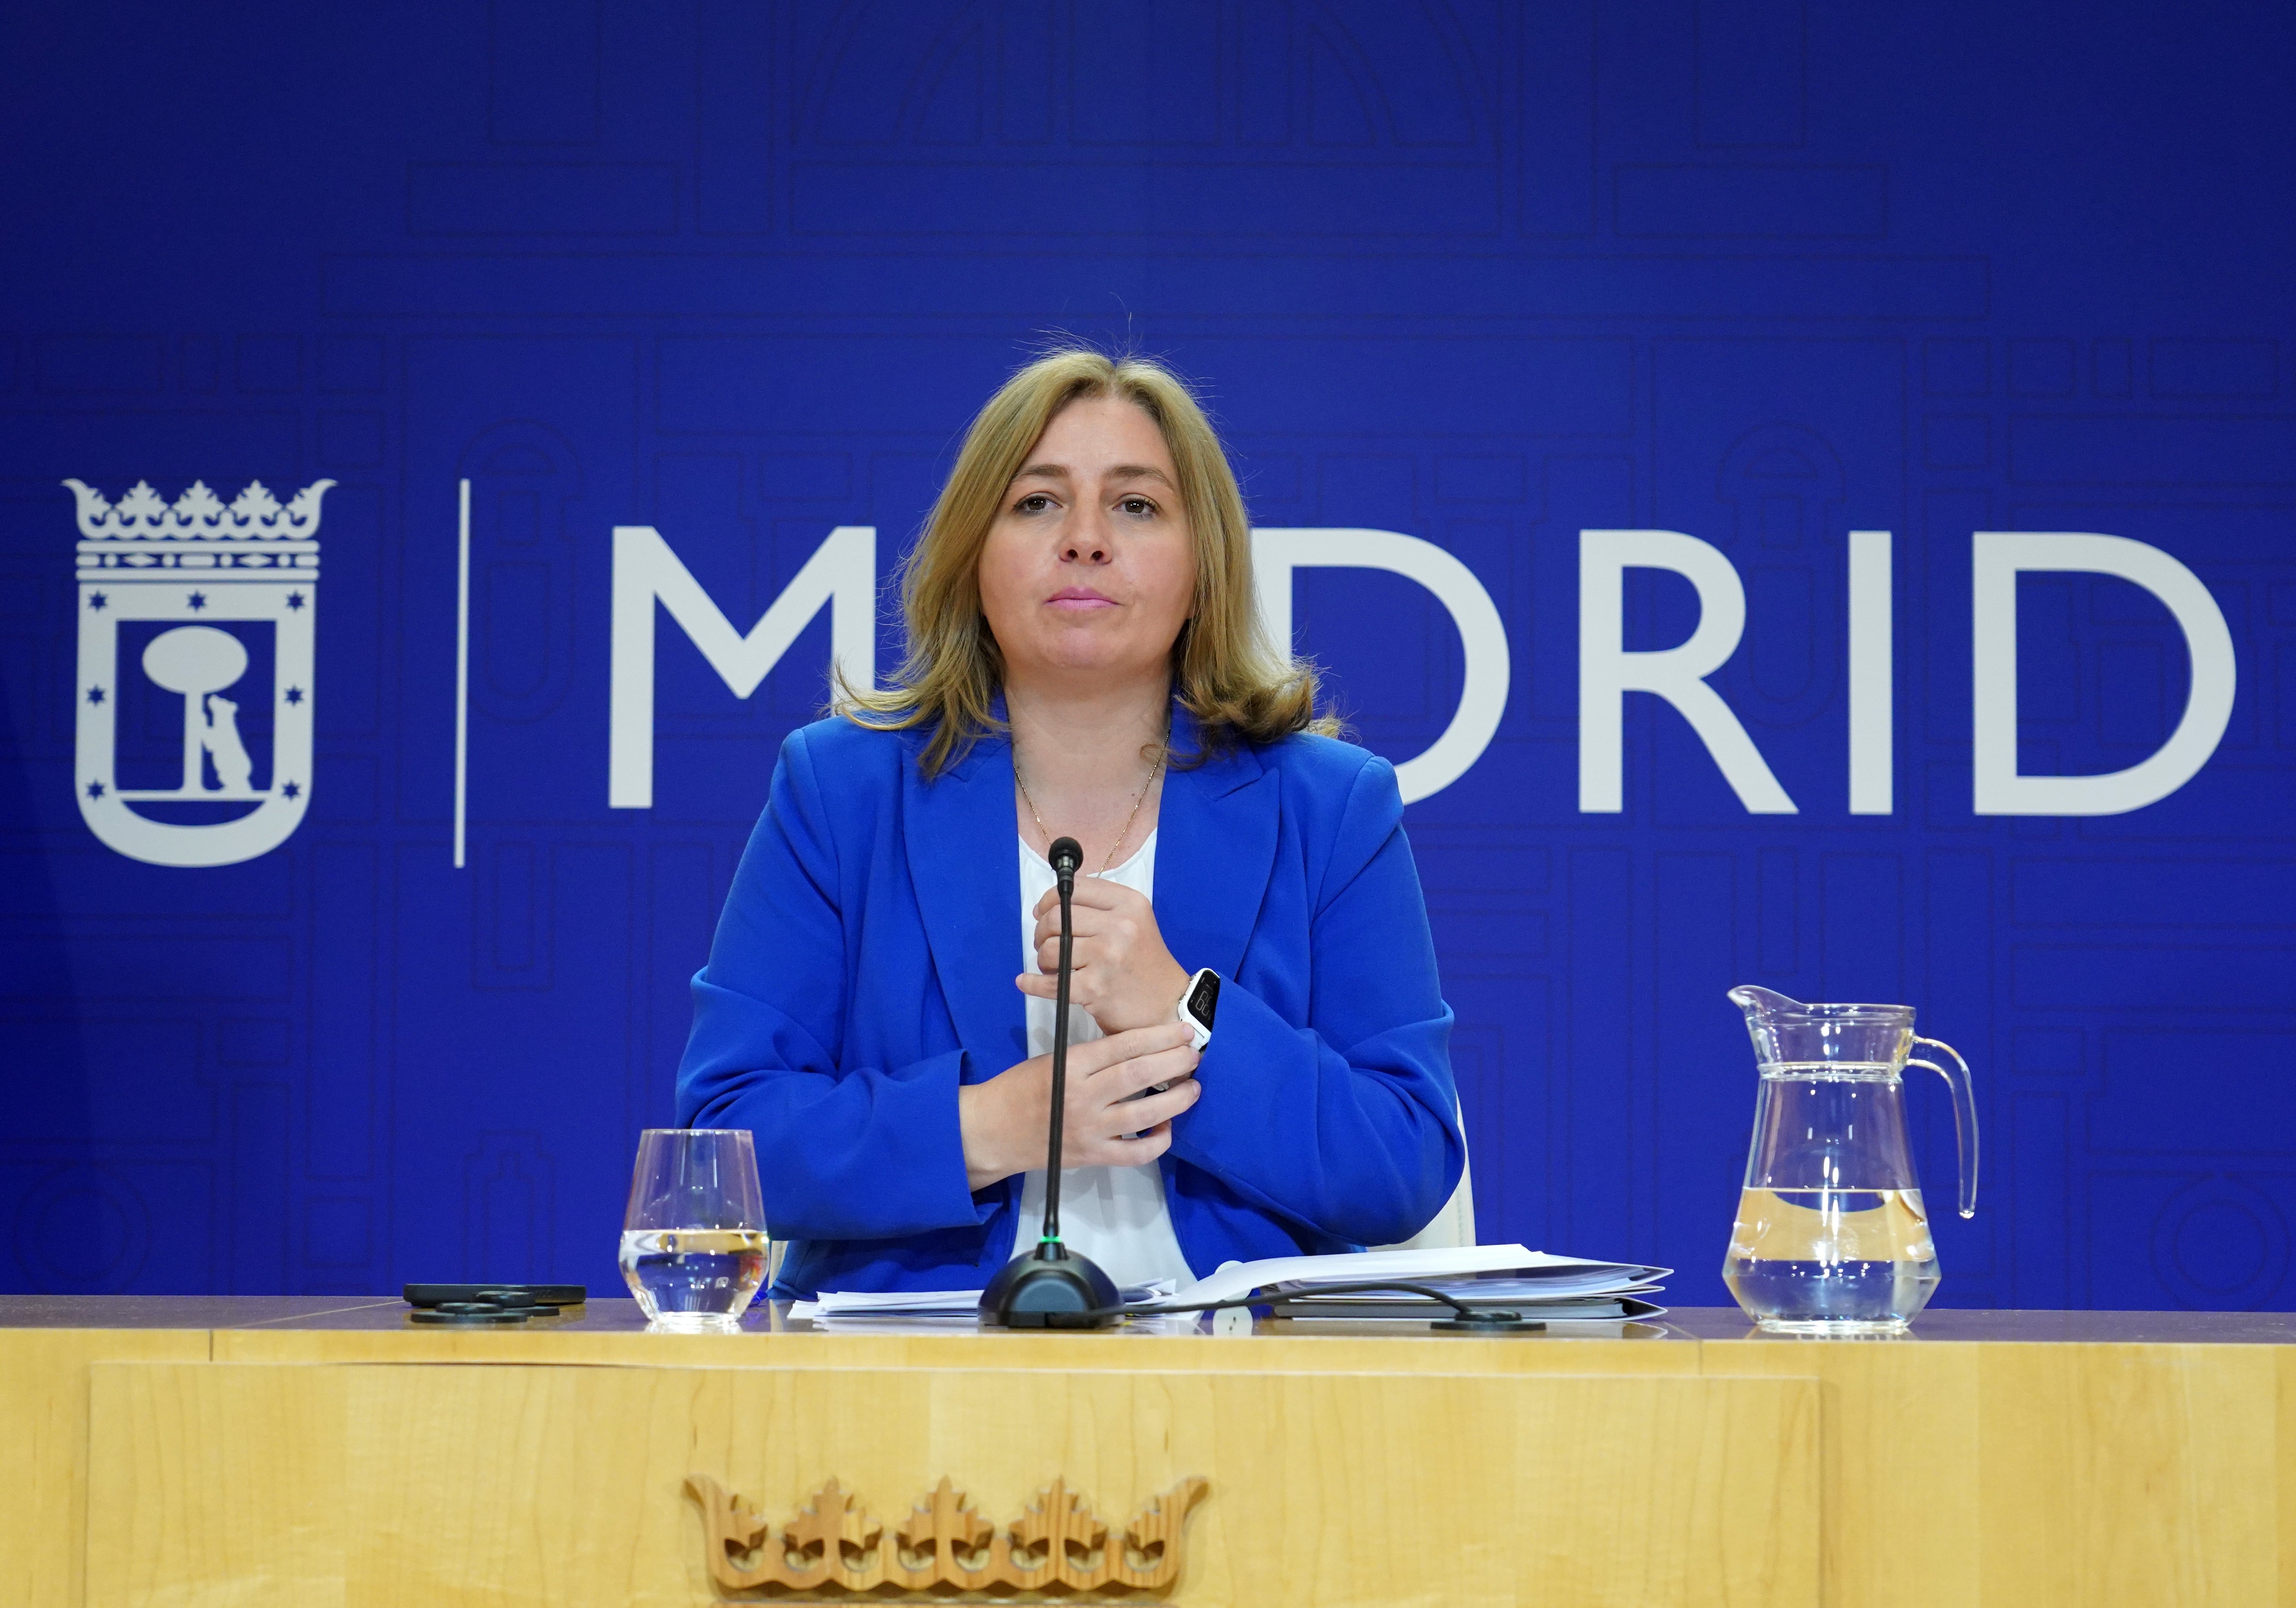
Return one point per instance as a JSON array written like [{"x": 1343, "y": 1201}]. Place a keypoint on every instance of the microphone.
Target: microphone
[{"x": 1052, "y": 1287}]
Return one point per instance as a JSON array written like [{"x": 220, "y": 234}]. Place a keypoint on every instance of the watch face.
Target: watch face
[{"x": 1204, "y": 999}]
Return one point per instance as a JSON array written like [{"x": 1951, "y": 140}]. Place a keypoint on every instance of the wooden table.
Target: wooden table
[{"x": 280, "y": 1451}]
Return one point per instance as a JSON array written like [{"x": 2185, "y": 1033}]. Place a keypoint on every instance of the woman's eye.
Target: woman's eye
[
  {"x": 1137, "y": 505},
  {"x": 1036, "y": 501}
]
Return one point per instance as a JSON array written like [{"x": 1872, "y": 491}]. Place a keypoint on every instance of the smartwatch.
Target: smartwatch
[{"x": 1199, "y": 1003}]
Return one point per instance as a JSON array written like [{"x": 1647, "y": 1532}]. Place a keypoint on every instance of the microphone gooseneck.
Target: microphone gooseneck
[
  {"x": 1052, "y": 1287},
  {"x": 1065, "y": 855}
]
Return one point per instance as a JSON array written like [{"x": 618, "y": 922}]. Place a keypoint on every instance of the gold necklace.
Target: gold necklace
[{"x": 1154, "y": 771}]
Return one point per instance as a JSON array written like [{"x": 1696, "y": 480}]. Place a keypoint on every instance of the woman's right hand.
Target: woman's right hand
[{"x": 1004, "y": 1120}]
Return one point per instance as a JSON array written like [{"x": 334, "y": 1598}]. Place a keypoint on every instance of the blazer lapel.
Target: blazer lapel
[
  {"x": 1216, "y": 833},
  {"x": 964, "y": 849}
]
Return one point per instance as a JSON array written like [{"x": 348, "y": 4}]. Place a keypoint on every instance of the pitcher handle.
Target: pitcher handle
[{"x": 1964, "y": 1115}]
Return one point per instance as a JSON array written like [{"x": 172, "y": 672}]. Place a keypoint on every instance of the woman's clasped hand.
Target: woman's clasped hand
[
  {"x": 1107, "y": 1121},
  {"x": 1120, "y": 970}
]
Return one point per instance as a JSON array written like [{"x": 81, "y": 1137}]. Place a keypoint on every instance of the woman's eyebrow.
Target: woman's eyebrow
[
  {"x": 1138, "y": 472},
  {"x": 1043, "y": 472}
]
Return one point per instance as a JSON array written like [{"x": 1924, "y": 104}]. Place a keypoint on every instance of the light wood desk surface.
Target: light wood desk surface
[{"x": 250, "y": 1450}]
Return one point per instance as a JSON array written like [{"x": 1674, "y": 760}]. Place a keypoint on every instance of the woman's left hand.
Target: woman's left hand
[{"x": 1121, "y": 971}]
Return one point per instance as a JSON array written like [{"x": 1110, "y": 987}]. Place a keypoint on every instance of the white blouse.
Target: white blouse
[{"x": 1114, "y": 1215}]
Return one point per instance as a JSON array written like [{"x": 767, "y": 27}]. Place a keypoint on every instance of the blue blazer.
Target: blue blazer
[{"x": 863, "y": 971}]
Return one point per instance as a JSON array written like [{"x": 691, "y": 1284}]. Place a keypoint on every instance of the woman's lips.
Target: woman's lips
[{"x": 1080, "y": 600}]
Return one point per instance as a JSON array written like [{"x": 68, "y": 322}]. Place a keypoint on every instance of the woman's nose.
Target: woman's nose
[{"x": 1087, "y": 542}]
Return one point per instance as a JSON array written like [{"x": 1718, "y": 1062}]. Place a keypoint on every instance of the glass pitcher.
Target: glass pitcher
[{"x": 1832, "y": 1237}]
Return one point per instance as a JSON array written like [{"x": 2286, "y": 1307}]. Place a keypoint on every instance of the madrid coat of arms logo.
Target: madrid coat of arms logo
[{"x": 197, "y": 625}]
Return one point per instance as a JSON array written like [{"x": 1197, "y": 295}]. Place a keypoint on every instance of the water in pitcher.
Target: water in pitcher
[
  {"x": 697, "y": 1278},
  {"x": 1821, "y": 1261}
]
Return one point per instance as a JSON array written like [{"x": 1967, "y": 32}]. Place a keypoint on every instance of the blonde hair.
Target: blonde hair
[{"x": 1239, "y": 686}]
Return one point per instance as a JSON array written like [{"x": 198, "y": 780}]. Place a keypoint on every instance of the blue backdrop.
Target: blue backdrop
[{"x": 1485, "y": 272}]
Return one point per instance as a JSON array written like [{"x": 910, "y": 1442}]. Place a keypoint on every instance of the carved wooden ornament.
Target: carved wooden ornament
[{"x": 1057, "y": 1545}]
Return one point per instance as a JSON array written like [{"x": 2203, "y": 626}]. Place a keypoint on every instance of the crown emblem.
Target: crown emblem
[
  {"x": 198, "y": 514},
  {"x": 835, "y": 1544}
]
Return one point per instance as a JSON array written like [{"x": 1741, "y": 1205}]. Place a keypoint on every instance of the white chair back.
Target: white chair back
[{"x": 1455, "y": 1225}]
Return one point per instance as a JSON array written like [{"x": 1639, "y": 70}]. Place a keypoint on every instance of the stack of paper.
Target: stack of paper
[
  {"x": 907, "y": 1306},
  {"x": 1562, "y": 1290},
  {"x": 1541, "y": 1286},
  {"x": 959, "y": 1308},
  {"x": 1553, "y": 1290}
]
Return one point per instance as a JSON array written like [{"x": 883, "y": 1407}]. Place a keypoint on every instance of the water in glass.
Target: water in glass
[{"x": 695, "y": 1244}]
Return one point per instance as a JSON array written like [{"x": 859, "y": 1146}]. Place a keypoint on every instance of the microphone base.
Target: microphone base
[{"x": 1051, "y": 1287}]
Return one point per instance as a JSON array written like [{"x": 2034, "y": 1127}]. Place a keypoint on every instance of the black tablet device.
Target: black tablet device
[{"x": 495, "y": 1295}]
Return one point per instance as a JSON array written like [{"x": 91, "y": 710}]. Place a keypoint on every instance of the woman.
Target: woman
[{"x": 1084, "y": 661}]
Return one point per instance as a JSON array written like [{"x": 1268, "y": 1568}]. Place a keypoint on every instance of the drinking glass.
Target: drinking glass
[{"x": 694, "y": 1239}]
